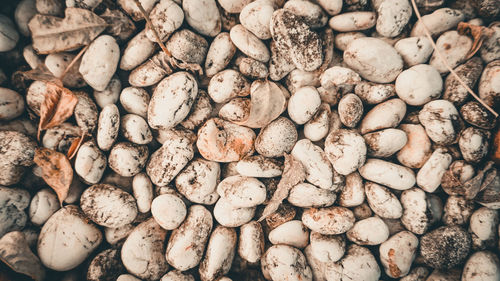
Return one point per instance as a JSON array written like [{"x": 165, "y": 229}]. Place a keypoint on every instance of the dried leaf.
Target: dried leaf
[
  {"x": 478, "y": 33},
  {"x": 266, "y": 104},
  {"x": 120, "y": 25},
  {"x": 56, "y": 170},
  {"x": 78, "y": 28},
  {"x": 293, "y": 174},
  {"x": 473, "y": 186},
  {"x": 57, "y": 106},
  {"x": 75, "y": 145},
  {"x": 16, "y": 254}
]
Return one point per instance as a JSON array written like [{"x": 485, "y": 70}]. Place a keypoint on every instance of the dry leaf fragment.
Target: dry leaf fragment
[
  {"x": 78, "y": 28},
  {"x": 478, "y": 33},
  {"x": 41, "y": 73},
  {"x": 75, "y": 145},
  {"x": 16, "y": 254},
  {"x": 120, "y": 25},
  {"x": 495, "y": 156},
  {"x": 293, "y": 174},
  {"x": 56, "y": 170},
  {"x": 57, "y": 106}
]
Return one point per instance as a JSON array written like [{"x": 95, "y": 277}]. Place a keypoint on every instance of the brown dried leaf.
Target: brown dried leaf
[
  {"x": 496, "y": 148},
  {"x": 56, "y": 170},
  {"x": 120, "y": 25},
  {"x": 75, "y": 145},
  {"x": 16, "y": 254},
  {"x": 78, "y": 28},
  {"x": 293, "y": 174},
  {"x": 478, "y": 33},
  {"x": 57, "y": 106}
]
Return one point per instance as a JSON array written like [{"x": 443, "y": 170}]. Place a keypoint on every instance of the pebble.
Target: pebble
[
  {"x": 172, "y": 100},
  {"x": 42, "y": 206},
  {"x": 251, "y": 242},
  {"x": 11, "y": 104},
  {"x": 474, "y": 144},
  {"x": 108, "y": 127},
  {"x": 106, "y": 265},
  {"x": 108, "y": 205},
  {"x": 241, "y": 191},
  {"x": 142, "y": 188},
  {"x": 166, "y": 162},
  {"x": 397, "y": 253},
  {"x": 99, "y": 62},
  {"x": 387, "y": 173},
  {"x": 369, "y": 231},
  {"x": 309, "y": 12},
  {"x": 482, "y": 265},
  {"x": 285, "y": 262},
  {"x": 305, "y": 195},
  {"x": 90, "y": 162},
  {"x": 445, "y": 247},
  {"x": 187, "y": 46},
  {"x": 414, "y": 50},
  {"x": 203, "y": 16},
  {"x": 331, "y": 7},
  {"x": 131, "y": 8},
  {"x": 233, "y": 6},
  {"x": 256, "y": 17},
  {"x": 57, "y": 64},
  {"x": 429, "y": 176},
  {"x": 453, "y": 47},
  {"x": 226, "y": 85},
  {"x": 385, "y": 143},
  {"x": 259, "y": 166},
  {"x": 350, "y": 110},
  {"x": 303, "y": 104},
  {"x": 489, "y": 51},
  {"x": 166, "y": 17},
  {"x": 115, "y": 235},
  {"x": 295, "y": 38},
  {"x": 249, "y": 44},
  {"x": 135, "y": 129},
  {"x": 483, "y": 227},
  {"x": 384, "y": 115},
  {"x": 25, "y": 10},
  {"x": 276, "y": 138},
  {"x": 85, "y": 112},
  {"x": 475, "y": 114},
  {"x": 353, "y": 193},
  {"x": 128, "y": 159},
  {"x": 317, "y": 128},
  {"x": 438, "y": 22},
  {"x": 353, "y": 21},
  {"x": 232, "y": 142},
  {"x": 135, "y": 100},
  {"x": 416, "y": 208},
  {"x": 110, "y": 95},
  {"x": 315, "y": 162},
  {"x": 138, "y": 50},
  {"x": 380, "y": 63},
  {"x": 143, "y": 253},
  {"x": 488, "y": 84},
  {"x": 357, "y": 264},
  {"x": 393, "y": 16},
  {"x": 419, "y": 84},
  {"x": 228, "y": 215},
  {"x": 346, "y": 149},
  {"x": 187, "y": 243},
  {"x": 219, "y": 54},
  {"x": 198, "y": 181},
  {"x": 373, "y": 93},
  {"x": 9, "y": 35},
  {"x": 469, "y": 73},
  {"x": 169, "y": 211},
  {"x": 418, "y": 147},
  {"x": 383, "y": 202},
  {"x": 67, "y": 239},
  {"x": 441, "y": 120},
  {"x": 220, "y": 253},
  {"x": 328, "y": 221},
  {"x": 12, "y": 205}
]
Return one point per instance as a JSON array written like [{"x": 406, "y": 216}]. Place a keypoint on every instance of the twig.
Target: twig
[
  {"x": 428, "y": 34},
  {"x": 75, "y": 59},
  {"x": 171, "y": 60}
]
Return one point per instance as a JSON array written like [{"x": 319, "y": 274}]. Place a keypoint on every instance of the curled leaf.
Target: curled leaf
[
  {"x": 41, "y": 73},
  {"x": 16, "y": 254},
  {"x": 75, "y": 145},
  {"x": 56, "y": 170},
  {"x": 57, "y": 106},
  {"x": 293, "y": 174},
  {"x": 478, "y": 33},
  {"x": 267, "y": 102},
  {"x": 78, "y": 28}
]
